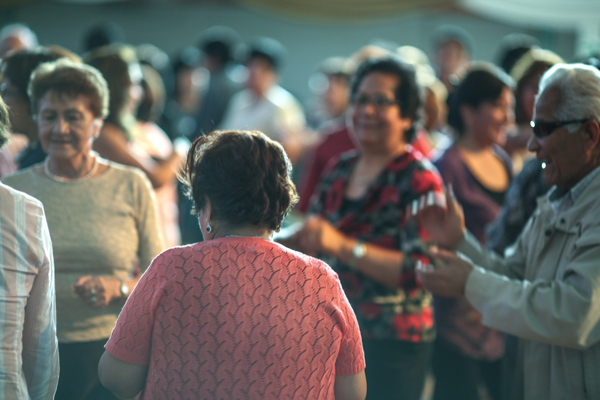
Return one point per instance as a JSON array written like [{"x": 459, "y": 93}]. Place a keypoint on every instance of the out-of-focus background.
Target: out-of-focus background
[{"x": 313, "y": 30}]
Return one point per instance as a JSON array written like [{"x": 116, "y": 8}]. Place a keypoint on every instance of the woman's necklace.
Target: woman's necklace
[{"x": 83, "y": 178}]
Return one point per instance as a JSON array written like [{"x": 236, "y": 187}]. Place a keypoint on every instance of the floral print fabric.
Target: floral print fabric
[{"x": 400, "y": 310}]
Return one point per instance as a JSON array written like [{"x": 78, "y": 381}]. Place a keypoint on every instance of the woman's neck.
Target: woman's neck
[
  {"x": 71, "y": 168},
  {"x": 469, "y": 143},
  {"x": 381, "y": 157},
  {"x": 242, "y": 231}
]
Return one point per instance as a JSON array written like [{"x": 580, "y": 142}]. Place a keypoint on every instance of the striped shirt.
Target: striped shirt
[{"x": 29, "y": 350}]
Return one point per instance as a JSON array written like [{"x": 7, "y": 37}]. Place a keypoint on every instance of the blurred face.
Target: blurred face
[
  {"x": 336, "y": 95},
  {"x": 565, "y": 156},
  {"x": 528, "y": 97},
  {"x": 66, "y": 125},
  {"x": 20, "y": 117},
  {"x": 489, "y": 123},
  {"x": 136, "y": 91},
  {"x": 261, "y": 76},
  {"x": 451, "y": 56},
  {"x": 376, "y": 118}
]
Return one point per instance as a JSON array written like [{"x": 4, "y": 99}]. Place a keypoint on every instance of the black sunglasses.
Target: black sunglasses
[{"x": 541, "y": 129}]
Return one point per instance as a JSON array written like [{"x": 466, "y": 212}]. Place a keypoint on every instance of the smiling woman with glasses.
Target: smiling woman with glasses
[{"x": 358, "y": 225}]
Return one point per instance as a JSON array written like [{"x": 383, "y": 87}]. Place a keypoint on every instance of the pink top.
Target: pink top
[{"x": 238, "y": 318}]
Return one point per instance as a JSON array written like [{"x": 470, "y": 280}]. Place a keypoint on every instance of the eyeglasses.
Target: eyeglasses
[
  {"x": 378, "y": 102},
  {"x": 541, "y": 129}
]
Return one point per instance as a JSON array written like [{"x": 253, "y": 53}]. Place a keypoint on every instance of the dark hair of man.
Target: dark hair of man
[
  {"x": 18, "y": 66},
  {"x": 218, "y": 43},
  {"x": 483, "y": 83},
  {"x": 4, "y": 123},
  {"x": 245, "y": 175},
  {"x": 407, "y": 94},
  {"x": 269, "y": 50}
]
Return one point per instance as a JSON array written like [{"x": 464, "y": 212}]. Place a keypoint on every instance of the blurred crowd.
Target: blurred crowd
[{"x": 464, "y": 124}]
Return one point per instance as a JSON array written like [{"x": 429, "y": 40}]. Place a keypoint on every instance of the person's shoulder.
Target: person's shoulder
[
  {"x": 503, "y": 155},
  {"x": 22, "y": 177},
  {"x": 282, "y": 98},
  {"x": 449, "y": 156},
  {"x": 127, "y": 172},
  {"x": 304, "y": 261},
  {"x": 8, "y": 193}
]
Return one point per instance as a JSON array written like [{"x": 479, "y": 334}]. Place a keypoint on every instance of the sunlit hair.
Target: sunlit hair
[
  {"x": 245, "y": 175},
  {"x": 72, "y": 79},
  {"x": 4, "y": 123},
  {"x": 579, "y": 87}
]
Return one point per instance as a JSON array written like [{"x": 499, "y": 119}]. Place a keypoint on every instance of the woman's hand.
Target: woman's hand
[
  {"x": 445, "y": 224},
  {"x": 97, "y": 291},
  {"x": 319, "y": 236}
]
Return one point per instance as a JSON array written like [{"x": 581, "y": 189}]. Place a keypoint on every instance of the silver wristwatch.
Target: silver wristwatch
[
  {"x": 124, "y": 289},
  {"x": 358, "y": 252}
]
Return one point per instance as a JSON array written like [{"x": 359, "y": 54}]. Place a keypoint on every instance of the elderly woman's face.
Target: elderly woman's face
[
  {"x": 66, "y": 125},
  {"x": 376, "y": 118}
]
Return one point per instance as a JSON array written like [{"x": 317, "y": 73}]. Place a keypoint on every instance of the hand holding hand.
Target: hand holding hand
[
  {"x": 97, "y": 291},
  {"x": 449, "y": 277},
  {"x": 319, "y": 236},
  {"x": 444, "y": 223}
]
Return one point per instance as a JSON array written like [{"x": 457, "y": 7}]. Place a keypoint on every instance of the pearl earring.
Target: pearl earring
[{"x": 208, "y": 228}]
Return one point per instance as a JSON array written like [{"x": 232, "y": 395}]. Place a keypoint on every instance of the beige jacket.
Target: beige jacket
[{"x": 547, "y": 291}]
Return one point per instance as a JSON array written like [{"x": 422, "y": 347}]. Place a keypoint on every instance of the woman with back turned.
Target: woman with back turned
[{"x": 238, "y": 315}]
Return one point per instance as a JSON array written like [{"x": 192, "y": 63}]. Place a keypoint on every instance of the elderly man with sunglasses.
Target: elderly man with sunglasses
[{"x": 546, "y": 289}]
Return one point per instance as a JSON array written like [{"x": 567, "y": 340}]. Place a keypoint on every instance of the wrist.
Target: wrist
[
  {"x": 358, "y": 251},
  {"x": 121, "y": 289}
]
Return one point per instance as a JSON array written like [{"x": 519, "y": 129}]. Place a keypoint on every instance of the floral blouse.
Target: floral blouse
[{"x": 383, "y": 312}]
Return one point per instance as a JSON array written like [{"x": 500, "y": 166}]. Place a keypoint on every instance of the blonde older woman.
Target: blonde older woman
[{"x": 101, "y": 216}]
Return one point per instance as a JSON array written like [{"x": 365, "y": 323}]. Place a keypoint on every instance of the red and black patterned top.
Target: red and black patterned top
[{"x": 383, "y": 312}]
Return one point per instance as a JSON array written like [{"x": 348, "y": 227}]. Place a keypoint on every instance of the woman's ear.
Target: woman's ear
[{"x": 97, "y": 123}]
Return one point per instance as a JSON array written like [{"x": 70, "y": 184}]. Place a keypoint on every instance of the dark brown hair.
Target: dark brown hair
[
  {"x": 407, "y": 94},
  {"x": 483, "y": 83},
  {"x": 245, "y": 175},
  {"x": 18, "y": 66}
]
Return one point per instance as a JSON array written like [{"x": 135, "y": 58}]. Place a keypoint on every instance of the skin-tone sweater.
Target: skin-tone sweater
[{"x": 105, "y": 226}]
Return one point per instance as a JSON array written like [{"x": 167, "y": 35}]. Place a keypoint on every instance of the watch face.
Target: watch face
[{"x": 359, "y": 250}]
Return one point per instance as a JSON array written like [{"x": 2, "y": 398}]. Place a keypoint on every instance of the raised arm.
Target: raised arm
[{"x": 112, "y": 145}]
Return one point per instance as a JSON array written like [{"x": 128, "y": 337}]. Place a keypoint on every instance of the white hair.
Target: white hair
[
  {"x": 579, "y": 87},
  {"x": 20, "y": 31}
]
